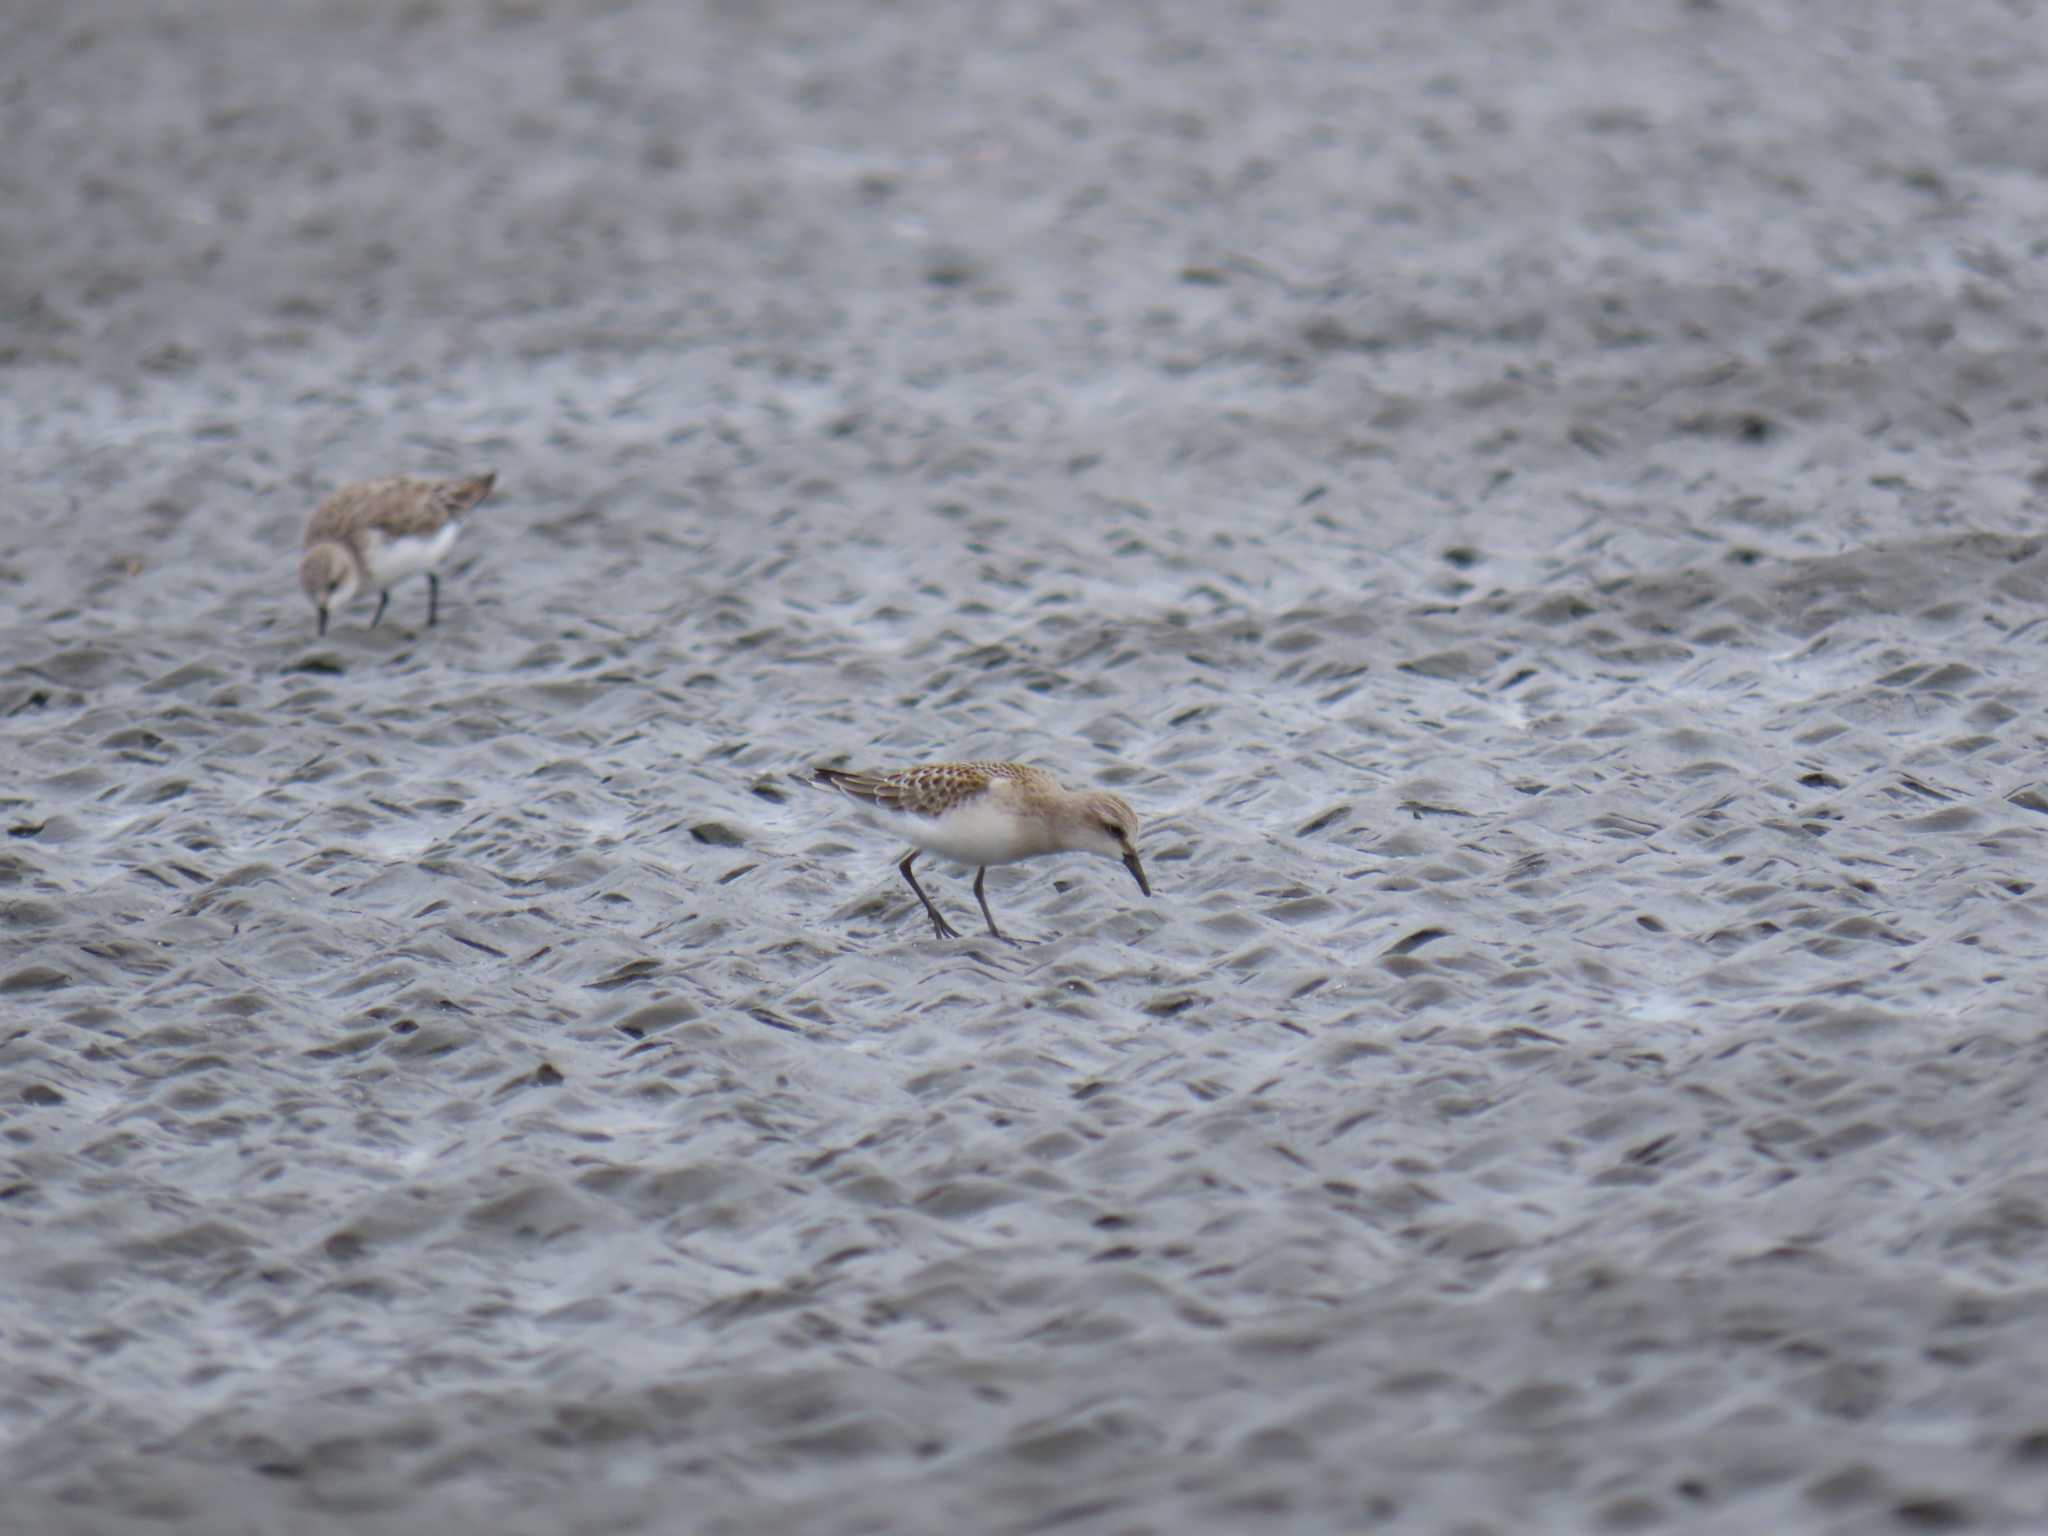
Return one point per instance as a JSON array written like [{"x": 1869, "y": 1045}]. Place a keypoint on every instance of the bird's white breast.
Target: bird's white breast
[
  {"x": 983, "y": 830},
  {"x": 392, "y": 560}
]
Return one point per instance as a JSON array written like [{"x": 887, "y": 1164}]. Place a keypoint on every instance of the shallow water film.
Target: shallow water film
[{"x": 1535, "y": 506}]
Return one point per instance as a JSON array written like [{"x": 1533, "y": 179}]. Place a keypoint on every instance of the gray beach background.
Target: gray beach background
[{"x": 1536, "y": 504}]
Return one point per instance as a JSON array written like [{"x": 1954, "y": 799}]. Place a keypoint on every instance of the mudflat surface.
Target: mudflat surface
[{"x": 1537, "y": 505}]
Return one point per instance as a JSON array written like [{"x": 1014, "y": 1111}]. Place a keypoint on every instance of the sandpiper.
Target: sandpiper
[
  {"x": 990, "y": 813},
  {"x": 374, "y": 533}
]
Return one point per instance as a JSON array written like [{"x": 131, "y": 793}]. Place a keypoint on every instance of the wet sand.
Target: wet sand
[{"x": 1535, "y": 505}]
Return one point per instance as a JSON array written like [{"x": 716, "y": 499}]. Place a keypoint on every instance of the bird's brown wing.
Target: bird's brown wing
[
  {"x": 931, "y": 789},
  {"x": 401, "y": 507}
]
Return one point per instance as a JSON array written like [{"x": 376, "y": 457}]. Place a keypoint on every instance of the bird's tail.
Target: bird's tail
[
  {"x": 456, "y": 497},
  {"x": 856, "y": 786}
]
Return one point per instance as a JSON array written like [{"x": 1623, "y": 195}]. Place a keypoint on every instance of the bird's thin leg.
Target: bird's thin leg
[
  {"x": 433, "y": 598},
  {"x": 940, "y": 926},
  {"x": 323, "y": 618},
  {"x": 383, "y": 598},
  {"x": 980, "y": 878}
]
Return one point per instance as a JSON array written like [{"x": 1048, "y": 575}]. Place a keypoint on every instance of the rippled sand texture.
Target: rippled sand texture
[{"x": 1536, "y": 505}]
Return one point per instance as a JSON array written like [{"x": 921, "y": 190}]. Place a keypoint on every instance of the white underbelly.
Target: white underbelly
[
  {"x": 392, "y": 560},
  {"x": 969, "y": 834}
]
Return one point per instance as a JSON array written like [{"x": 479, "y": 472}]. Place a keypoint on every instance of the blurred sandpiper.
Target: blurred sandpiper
[{"x": 375, "y": 533}]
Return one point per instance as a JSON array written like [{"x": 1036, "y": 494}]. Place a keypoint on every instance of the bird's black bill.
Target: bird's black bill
[{"x": 1137, "y": 871}]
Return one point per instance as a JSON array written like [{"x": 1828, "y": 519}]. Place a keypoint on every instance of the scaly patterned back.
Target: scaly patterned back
[{"x": 932, "y": 789}]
